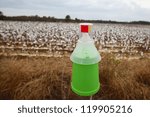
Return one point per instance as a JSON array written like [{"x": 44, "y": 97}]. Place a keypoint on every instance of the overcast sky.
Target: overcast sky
[{"x": 120, "y": 10}]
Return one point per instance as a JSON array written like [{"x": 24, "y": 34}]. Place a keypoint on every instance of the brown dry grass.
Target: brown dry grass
[{"x": 49, "y": 78}]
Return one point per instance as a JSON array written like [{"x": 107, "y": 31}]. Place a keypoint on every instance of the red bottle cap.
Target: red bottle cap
[{"x": 85, "y": 27}]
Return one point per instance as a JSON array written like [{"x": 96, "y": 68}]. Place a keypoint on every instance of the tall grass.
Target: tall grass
[{"x": 49, "y": 78}]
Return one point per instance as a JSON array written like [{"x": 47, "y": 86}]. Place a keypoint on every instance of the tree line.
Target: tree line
[{"x": 66, "y": 19}]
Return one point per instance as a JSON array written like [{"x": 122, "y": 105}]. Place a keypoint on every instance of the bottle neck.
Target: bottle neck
[{"x": 86, "y": 35}]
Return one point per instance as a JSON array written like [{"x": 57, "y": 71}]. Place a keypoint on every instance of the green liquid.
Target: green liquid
[{"x": 85, "y": 79}]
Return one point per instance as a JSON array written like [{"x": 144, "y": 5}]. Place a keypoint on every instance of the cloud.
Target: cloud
[{"x": 122, "y": 10}]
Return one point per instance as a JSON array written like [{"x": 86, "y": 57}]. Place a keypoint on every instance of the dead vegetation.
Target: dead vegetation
[{"x": 49, "y": 78}]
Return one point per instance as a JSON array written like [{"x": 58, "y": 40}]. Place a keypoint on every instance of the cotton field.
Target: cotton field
[
  {"x": 59, "y": 39},
  {"x": 35, "y": 63}
]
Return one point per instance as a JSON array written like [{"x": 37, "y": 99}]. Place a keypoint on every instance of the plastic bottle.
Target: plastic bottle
[{"x": 85, "y": 70}]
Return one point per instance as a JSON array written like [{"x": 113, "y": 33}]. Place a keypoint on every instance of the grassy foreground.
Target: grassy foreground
[{"x": 49, "y": 78}]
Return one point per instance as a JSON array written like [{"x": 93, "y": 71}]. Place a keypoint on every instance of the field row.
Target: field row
[{"x": 62, "y": 37}]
